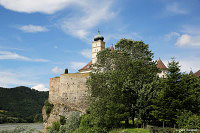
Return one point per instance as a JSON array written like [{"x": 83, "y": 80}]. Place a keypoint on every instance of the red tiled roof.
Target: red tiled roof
[
  {"x": 160, "y": 65},
  {"x": 112, "y": 48},
  {"x": 197, "y": 73},
  {"x": 86, "y": 67}
]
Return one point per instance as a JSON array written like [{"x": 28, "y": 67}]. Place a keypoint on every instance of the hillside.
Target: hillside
[{"x": 21, "y": 104}]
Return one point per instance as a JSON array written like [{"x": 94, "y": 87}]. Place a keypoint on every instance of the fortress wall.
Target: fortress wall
[
  {"x": 73, "y": 90},
  {"x": 54, "y": 90}
]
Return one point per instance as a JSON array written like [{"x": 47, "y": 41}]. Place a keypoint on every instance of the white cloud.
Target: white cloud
[
  {"x": 24, "y": 76},
  {"x": 87, "y": 53},
  {"x": 187, "y": 64},
  {"x": 40, "y": 87},
  {"x": 176, "y": 8},
  {"x": 57, "y": 70},
  {"x": 171, "y": 35},
  {"x": 190, "y": 63},
  {"x": 6, "y": 55},
  {"x": 77, "y": 65},
  {"x": 11, "y": 48},
  {"x": 92, "y": 13},
  {"x": 55, "y": 46},
  {"x": 87, "y": 14},
  {"x": 13, "y": 78},
  {"x": 191, "y": 29},
  {"x": 31, "y": 6},
  {"x": 33, "y": 28},
  {"x": 188, "y": 40},
  {"x": 122, "y": 34}
]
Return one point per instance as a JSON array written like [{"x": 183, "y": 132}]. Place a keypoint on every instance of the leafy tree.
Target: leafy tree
[
  {"x": 118, "y": 77},
  {"x": 178, "y": 92},
  {"x": 188, "y": 120}
]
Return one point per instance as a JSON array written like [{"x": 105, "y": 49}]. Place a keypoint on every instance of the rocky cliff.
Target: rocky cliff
[{"x": 68, "y": 93}]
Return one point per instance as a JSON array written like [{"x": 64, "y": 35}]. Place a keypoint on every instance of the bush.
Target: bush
[
  {"x": 71, "y": 124},
  {"x": 48, "y": 106},
  {"x": 65, "y": 126},
  {"x": 87, "y": 125},
  {"x": 187, "y": 120},
  {"x": 62, "y": 120},
  {"x": 138, "y": 123},
  {"x": 54, "y": 128}
]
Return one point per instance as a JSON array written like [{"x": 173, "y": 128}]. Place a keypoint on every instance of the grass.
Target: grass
[{"x": 130, "y": 130}]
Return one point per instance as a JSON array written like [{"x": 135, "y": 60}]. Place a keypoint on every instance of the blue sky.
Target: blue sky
[{"x": 39, "y": 39}]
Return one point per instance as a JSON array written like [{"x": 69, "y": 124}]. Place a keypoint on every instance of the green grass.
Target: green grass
[{"x": 130, "y": 130}]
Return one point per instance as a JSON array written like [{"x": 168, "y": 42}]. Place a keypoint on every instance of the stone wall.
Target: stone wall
[
  {"x": 67, "y": 93},
  {"x": 54, "y": 90},
  {"x": 73, "y": 90}
]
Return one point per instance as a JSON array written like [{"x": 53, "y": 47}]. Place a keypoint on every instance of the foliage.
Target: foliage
[
  {"x": 62, "y": 120},
  {"x": 54, "y": 128},
  {"x": 187, "y": 120},
  {"x": 118, "y": 78},
  {"x": 21, "y": 104},
  {"x": 48, "y": 107},
  {"x": 176, "y": 93},
  {"x": 72, "y": 123}
]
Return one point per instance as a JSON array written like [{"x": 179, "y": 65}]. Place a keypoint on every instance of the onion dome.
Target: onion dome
[{"x": 98, "y": 37}]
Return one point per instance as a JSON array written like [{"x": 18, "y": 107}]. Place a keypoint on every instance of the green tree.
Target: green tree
[
  {"x": 178, "y": 92},
  {"x": 118, "y": 77}
]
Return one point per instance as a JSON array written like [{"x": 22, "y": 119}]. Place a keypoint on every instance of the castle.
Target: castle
[
  {"x": 68, "y": 92},
  {"x": 98, "y": 44}
]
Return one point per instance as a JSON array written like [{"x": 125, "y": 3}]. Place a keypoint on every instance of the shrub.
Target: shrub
[
  {"x": 71, "y": 124},
  {"x": 48, "y": 106},
  {"x": 54, "y": 128},
  {"x": 187, "y": 120},
  {"x": 62, "y": 120},
  {"x": 138, "y": 123},
  {"x": 87, "y": 125}
]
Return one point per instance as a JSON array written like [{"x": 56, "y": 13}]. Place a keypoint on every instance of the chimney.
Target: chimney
[{"x": 66, "y": 71}]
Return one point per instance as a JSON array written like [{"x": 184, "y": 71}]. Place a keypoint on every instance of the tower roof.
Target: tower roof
[
  {"x": 161, "y": 65},
  {"x": 98, "y": 37},
  {"x": 86, "y": 67},
  {"x": 112, "y": 48},
  {"x": 197, "y": 73}
]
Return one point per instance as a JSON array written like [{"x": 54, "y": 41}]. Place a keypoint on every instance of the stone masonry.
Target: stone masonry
[{"x": 67, "y": 93}]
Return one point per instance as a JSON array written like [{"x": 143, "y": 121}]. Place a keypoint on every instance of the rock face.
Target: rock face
[{"x": 68, "y": 93}]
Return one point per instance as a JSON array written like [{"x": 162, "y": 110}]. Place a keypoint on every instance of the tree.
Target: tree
[
  {"x": 117, "y": 78},
  {"x": 178, "y": 92}
]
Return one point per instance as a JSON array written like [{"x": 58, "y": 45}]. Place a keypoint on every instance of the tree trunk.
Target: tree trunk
[{"x": 127, "y": 122}]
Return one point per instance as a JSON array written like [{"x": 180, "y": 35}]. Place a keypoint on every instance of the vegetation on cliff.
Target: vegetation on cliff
[
  {"x": 21, "y": 104},
  {"x": 48, "y": 107}
]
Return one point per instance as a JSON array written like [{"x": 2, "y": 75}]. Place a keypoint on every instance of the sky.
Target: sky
[{"x": 39, "y": 39}]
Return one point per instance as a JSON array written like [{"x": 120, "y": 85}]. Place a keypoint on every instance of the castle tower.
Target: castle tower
[{"x": 97, "y": 45}]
